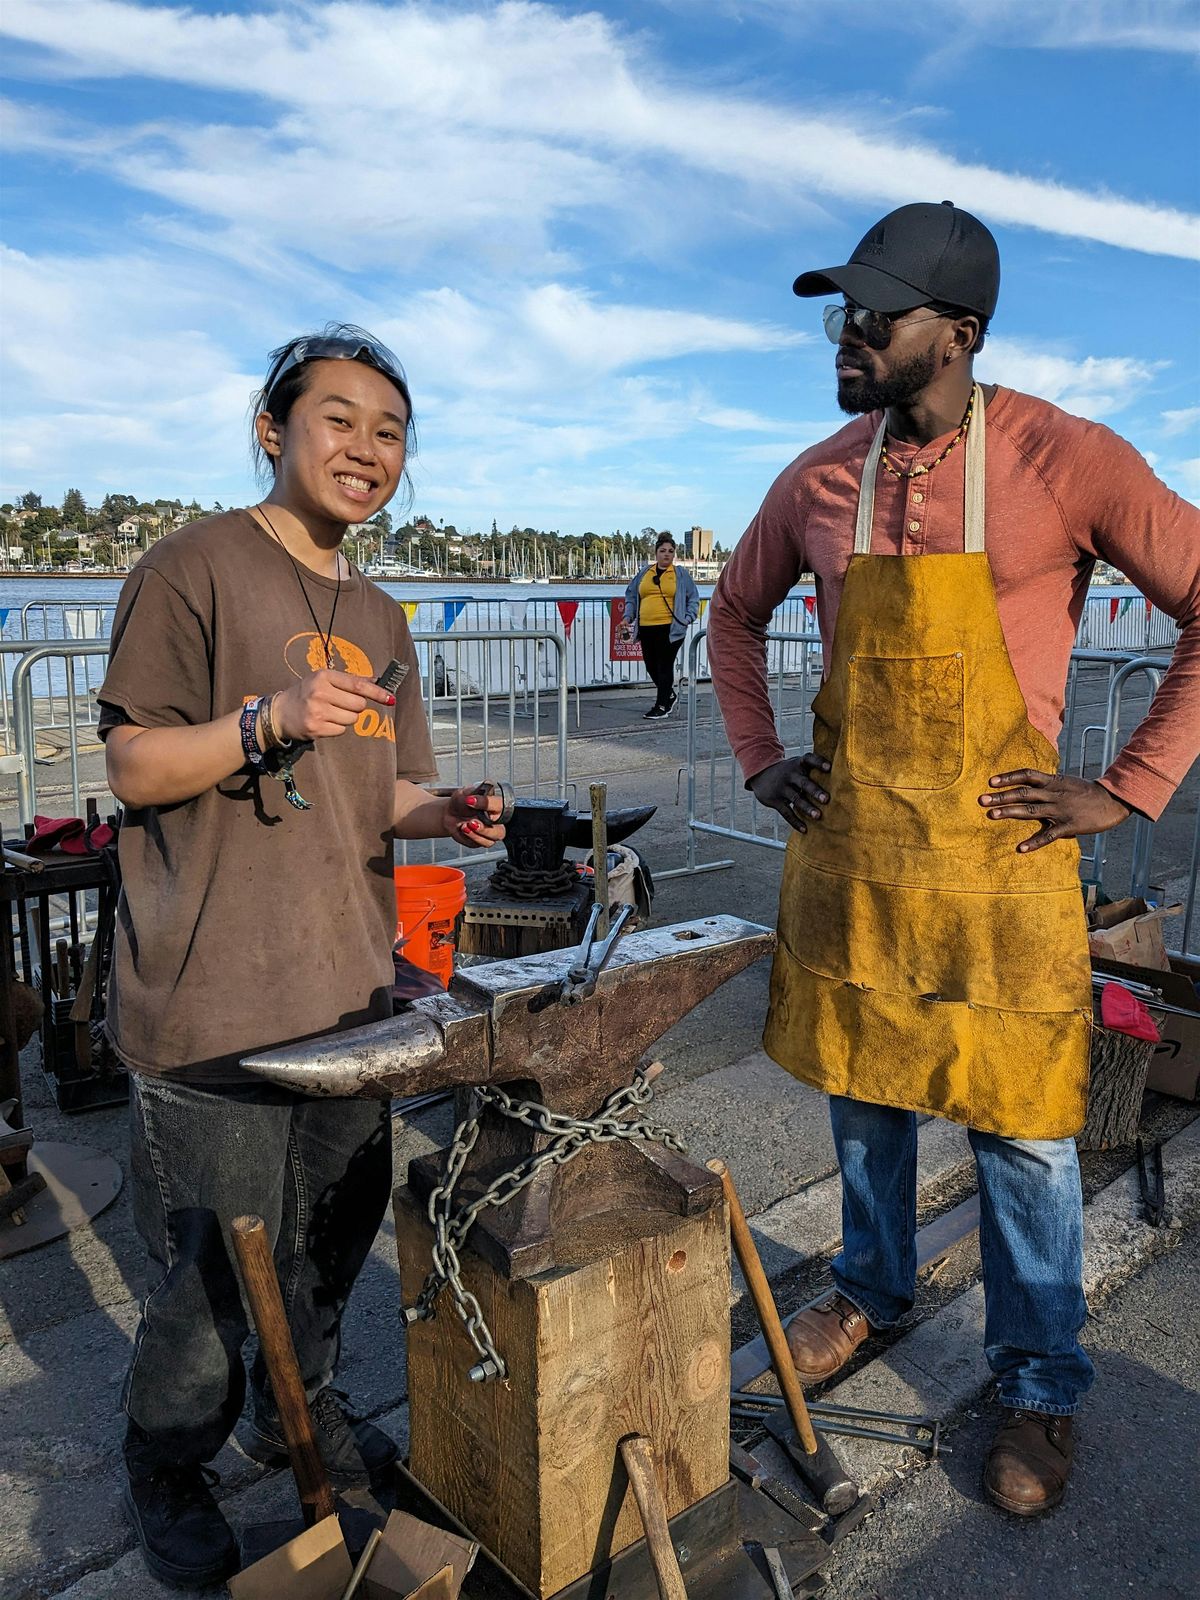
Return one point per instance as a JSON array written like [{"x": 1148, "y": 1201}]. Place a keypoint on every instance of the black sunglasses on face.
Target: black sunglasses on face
[{"x": 874, "y": 328}]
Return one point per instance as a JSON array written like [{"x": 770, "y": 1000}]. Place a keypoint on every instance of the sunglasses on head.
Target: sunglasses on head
[
  {"x": 874, "y": 328},
  {"x": 338, "y": 348}
]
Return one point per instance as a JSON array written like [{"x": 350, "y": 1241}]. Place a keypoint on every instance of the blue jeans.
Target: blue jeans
[
  {"x": 318, "y": 1172},
  {"x": 1030, "y": 1238}
]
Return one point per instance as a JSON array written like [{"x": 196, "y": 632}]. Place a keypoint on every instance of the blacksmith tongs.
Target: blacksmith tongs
[{"x": 580, "y": 981}]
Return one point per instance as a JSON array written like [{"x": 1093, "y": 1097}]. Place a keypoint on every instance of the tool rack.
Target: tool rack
[{"x": 27, "y": 937}]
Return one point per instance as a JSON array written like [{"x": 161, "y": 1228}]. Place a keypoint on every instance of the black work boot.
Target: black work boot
[
  {"x": 185, "y": 1540},
  {"x": 351, "y": 1450}
]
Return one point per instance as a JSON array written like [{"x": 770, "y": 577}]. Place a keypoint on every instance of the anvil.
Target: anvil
[{"x": 501, "y": 1023}]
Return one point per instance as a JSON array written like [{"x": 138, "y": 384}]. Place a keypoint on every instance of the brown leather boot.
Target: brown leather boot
[
  {"x": 1029, "y": 1462},
  {"x": 823, "y": 1338}
]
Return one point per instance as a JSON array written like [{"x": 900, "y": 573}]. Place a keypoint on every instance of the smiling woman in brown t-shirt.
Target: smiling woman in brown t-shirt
[{"x": 264, "y": 775}]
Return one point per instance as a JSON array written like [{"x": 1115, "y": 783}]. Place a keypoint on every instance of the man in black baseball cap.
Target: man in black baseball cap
[
  {"x": 916, "y": 256},
  {"x": 932, "y": 953}
]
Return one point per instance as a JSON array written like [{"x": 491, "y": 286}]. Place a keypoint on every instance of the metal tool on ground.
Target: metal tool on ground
[
  {"x": 815, "y": 1459},
  {"x": 638, "y": 1457},
  {"x": 256, "y": 1264},
  {"x": 779, "y": 1577},
  {"x": 576, "y": 1250},
  {"x": 919, "y": 1433}
]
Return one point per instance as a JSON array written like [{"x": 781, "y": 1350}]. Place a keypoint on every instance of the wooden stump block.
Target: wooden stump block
[
  {"x": 1119, "y": 1066},
  {"x": 635, "y": 1342}
]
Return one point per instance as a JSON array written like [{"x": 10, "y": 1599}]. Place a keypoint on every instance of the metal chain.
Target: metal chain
[
  {"x": 568, "y": 1135},
  {"x": 534, "y": 883}
]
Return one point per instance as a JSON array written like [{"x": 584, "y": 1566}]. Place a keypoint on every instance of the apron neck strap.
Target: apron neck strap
[{"x": 973, "y": 498}]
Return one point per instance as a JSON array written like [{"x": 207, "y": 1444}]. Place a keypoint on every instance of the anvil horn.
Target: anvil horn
[{"x": 620, "y": 824}]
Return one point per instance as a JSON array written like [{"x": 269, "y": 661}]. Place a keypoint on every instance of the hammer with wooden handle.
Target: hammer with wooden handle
[
  {"x": 638, "y": 1456},
  {"x": 815, "y": 1460},
  {"x": 257, "y": 1267}
]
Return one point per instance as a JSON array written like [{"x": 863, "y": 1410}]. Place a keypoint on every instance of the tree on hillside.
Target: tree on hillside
[
  {"x": 31, "y": 501},
  {"x": 74, "y": 509}
]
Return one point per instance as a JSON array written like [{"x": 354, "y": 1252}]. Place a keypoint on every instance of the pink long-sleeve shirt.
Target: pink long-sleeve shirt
[{"x": 1060, "y": 492}]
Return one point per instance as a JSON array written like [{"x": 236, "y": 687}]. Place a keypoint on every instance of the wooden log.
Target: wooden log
[
  {"x": 257, "y": 1267},
  {"x": 634, "y": 1339},
  {"x": 638, "y": 1458},
  {"x": 1118, "y": 1081}
]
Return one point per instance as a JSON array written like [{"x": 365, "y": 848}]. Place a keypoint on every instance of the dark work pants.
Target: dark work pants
[
  {"x": 659, "y": 651},
  {"x": 318, "y": 1172}
]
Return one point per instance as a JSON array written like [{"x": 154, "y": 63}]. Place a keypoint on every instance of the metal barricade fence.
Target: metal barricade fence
[
  {"x": 504, "y": 696},
  {"x": 720, "y": 807},
  {"x": 496, "y": 706}
]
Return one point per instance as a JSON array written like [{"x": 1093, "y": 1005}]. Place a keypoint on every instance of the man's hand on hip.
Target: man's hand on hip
[
  {"x": 789, "y": 788},
  {"x": 1064, "y": 806}
]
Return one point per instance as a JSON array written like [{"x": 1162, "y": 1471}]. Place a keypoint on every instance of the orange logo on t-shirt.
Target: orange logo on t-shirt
[{"x": 305, "y": 653}]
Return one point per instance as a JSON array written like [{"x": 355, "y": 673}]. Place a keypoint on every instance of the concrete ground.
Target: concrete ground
[{"x": 68, "y": 1311}]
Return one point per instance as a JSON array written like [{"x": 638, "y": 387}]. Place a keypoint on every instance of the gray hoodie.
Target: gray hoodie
[{"x": 687, "y": 600}]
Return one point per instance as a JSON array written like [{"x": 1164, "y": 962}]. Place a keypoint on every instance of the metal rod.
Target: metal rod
[
  {"x": 849, "y": 1430},
  {"x": 820, "y": 1408},
  {"x": 599, "y": 797}
]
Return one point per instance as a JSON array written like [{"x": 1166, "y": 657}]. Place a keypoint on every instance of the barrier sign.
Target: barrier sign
[{"x": 621, "y": 645}]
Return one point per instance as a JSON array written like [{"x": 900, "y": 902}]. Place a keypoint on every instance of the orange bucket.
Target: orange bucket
[{"x": 429, "y": 902}]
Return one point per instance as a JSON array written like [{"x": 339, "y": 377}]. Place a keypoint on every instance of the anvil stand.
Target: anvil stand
[{"x": 605, "y": 1283}]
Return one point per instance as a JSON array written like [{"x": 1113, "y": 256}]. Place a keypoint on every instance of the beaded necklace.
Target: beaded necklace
[{"x": 916, "y": 472}]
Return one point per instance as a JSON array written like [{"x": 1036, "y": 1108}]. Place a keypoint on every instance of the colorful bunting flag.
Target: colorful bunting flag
[
  {"x": 516, "y": 614},
  {"x": 410, "y": 608},
  {"x": 1149, "y": 609},
  {"x": 451, "y": 611},
  {"x": 4, "y": 610},
  {"x": 1125, "y": 604},
  {"x": 810, "y": 603},
  {"x": 567, "y": 610},
  {"x": 703, "y": 607},
  {"x": 1112, "y": 609}
]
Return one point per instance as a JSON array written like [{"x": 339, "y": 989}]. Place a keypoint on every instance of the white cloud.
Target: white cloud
[
  {"x": 1090, "y": 386},
  {"x": 1177, "y": 422},
  {"x": 418, "y": 126},
  {"x": 1153, "y": 25}
]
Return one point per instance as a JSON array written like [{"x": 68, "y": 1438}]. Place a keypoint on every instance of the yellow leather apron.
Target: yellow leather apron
[{"x": 922, "y": 962}]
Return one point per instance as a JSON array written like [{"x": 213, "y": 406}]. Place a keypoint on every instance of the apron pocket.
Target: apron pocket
[{"x": 904, "y": 722}]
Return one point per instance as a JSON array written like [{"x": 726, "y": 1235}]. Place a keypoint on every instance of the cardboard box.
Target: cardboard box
[
  {"x": 1129, "y": 931},
  {"x": 413, "y": 1561},
  {"x": 1175, "y": 1068}
]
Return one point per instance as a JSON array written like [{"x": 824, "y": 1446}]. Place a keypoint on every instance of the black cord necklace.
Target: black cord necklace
[{"x": 325, "y": 635}]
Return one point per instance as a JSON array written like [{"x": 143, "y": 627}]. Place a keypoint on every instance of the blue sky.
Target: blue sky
[{"x": 577, "y": 226}]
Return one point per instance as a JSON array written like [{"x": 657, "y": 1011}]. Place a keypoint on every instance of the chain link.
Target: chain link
[{"x": 568, "y": 1135}]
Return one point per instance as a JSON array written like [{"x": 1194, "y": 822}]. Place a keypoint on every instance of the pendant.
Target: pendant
[{"x": 917, "y": 471}]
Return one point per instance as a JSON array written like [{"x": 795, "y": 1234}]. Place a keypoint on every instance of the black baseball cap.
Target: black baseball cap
[{"x": 915, "y": 255}]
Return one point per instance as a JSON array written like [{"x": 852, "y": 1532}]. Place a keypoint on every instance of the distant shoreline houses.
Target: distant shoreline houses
[{"x": 110, "y": 538}]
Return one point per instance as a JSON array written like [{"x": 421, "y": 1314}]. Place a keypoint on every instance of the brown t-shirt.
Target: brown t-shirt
[{"x": 244, "y": 923}]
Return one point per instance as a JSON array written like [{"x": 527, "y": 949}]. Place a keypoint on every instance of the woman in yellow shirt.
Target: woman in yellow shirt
[{"x": 661, "y": 601}]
